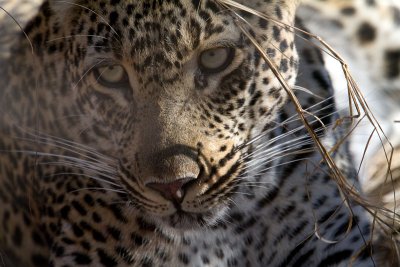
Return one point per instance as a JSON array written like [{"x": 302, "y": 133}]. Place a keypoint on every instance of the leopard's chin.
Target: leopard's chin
[{"x": 189, "y": 221}]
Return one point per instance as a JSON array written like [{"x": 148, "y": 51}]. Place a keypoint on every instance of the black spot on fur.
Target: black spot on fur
[
  {"x": 81, "y": 259},
  {"x": 366, "y": 33},
  {"x": 106, "y": 259},
  {"x": 39, "y": 260},
  {"x": 348, "y": 11},
  {"x": 17, "y": 236}
]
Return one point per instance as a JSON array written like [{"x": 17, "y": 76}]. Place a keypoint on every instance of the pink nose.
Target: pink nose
[{"x": 172, "y": 191}]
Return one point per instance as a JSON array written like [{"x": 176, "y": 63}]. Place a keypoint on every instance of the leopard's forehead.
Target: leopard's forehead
[{"x": 158, "y": 25}]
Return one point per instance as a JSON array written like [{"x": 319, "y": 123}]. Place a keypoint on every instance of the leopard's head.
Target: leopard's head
[{"x": 173, "y": 90}]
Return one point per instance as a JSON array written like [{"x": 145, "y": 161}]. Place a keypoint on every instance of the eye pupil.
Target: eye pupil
[{"x": 216, "y": 59}]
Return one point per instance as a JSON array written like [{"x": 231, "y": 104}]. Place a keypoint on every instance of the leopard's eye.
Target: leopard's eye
[
  {"x": 112, "y": 76},
  {"x": 216, "y": 59}
]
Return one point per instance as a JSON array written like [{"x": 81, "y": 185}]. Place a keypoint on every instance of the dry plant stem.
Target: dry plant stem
[{"x": 355, "y": 98}]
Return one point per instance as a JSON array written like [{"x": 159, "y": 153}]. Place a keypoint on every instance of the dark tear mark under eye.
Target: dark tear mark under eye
[{"x": 200, "y": 80}]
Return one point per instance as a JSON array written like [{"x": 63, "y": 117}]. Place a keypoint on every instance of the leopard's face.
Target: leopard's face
[{"x": 173, "y": 90}]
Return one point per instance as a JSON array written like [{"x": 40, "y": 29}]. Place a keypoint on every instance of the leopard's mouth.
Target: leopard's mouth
[
  {"x": 191, "y": 214},
  {"x": 201, "y": 202}
]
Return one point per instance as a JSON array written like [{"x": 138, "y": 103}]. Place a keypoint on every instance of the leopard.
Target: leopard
[{"x": 165, "y": 133}]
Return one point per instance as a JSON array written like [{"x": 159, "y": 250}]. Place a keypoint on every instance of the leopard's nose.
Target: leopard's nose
[{"x": 174, "y": 191}]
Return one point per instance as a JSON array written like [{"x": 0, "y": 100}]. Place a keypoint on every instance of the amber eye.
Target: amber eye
[
  {"x": 216, "y": 59},
  {"x": 113, "y": 76}
]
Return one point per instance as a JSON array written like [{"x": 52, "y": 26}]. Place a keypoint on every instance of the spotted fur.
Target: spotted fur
[{"x": 177, "y": 165}]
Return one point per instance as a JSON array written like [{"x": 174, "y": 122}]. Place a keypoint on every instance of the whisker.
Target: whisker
[
  {"x": 65, "y": 147},
  {"x": 69, "y": 144},
  {"x": 76, "y": 35},
  {"x": 277, "y": 156},
  {"x": 85, "y": 176},
  {"x": 75, "y": 162},
  {"x": 278, "y": 148},
  {"x": 84, "y": 166},
  {"x": 99, "y": 189},
  {"x": 265, "y": 169},
  {"x": 287, "y": 121}
]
